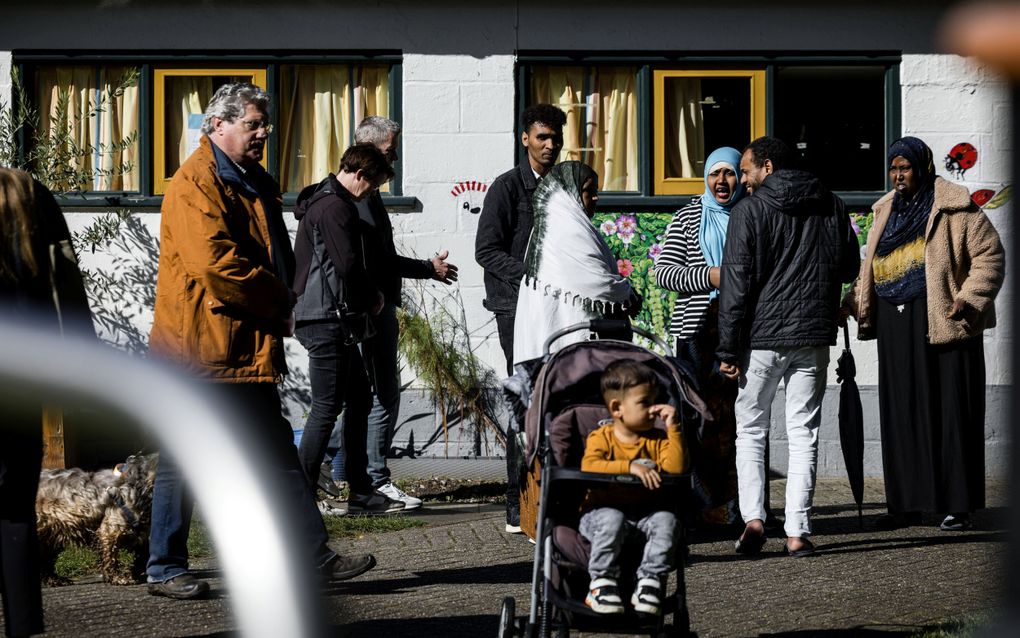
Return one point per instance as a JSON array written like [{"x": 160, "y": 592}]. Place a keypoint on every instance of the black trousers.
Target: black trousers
[
  {"x": 20, "y": 463},
  {"x": 505, "y": 328}
]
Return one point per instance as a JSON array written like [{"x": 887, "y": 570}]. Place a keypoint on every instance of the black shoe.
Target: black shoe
[
  {"x": 899, "y": 520},
  {"x": 183, "y": 587},
  {"x": 956, "y": 523},
  {"x": 749, "y": 544},
  {"x": 373, "y": 504},
  {"x": 326, "y": 483},
  {"x": 346, "y": 567}
]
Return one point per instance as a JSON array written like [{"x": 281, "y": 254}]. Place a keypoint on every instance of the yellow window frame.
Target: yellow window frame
[
  {"x": 160, "y": 179},
  {"x": 696, "y": 185}
]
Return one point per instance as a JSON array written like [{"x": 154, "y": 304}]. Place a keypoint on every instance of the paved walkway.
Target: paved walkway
[{"x": 448, "y": 578}]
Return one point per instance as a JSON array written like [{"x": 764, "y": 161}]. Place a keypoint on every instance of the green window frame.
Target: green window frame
[
  {"x": 656, "y": 191},
  {"x": 153, "y": 71}
]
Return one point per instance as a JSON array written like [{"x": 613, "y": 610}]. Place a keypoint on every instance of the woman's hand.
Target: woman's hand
[
  {"x": 713, "y": 277},
  {"x": 959, "y": 309}
]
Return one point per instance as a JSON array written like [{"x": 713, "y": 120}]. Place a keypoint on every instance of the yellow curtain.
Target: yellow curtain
[
  {"x": 564, "y": 87},
  {"x": 186, "y": 96},
  {"x": 319, "y": 108},
  {"x": 601, "y": 128},
  {"x": 615, "y": 128},
  {"x": 117, "y": 122},
  {"x": 92, "y": 132},
  {"x": 685, "y": 130}
]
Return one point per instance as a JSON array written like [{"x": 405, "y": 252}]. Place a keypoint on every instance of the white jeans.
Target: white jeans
[{"x": 803, "y": 370}]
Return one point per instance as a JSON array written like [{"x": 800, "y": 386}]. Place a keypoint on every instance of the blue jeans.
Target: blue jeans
[
  {"x": 338, "y": 382},
  {"x": 380, "y": 354},
  {"x": 607, "y": 529},
  {"x": 258, "y": 405}
]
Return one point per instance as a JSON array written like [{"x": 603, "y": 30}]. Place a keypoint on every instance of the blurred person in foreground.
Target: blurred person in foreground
[{"x": 39, "y": 283}]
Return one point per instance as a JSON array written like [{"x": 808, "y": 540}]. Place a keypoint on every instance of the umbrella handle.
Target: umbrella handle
[{"x": 846, "y": 337}]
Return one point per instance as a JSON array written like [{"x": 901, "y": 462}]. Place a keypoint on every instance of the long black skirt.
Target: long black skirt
[
  {"x": 932, "y": 408},
  {"x": 714, "y": 453}
]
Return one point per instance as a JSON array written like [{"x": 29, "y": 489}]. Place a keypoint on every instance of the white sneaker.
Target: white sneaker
[
  {"x": 397, "y": 494},
  {"x": 646, "y": 598},
  {"x": 328, "y": 507}
]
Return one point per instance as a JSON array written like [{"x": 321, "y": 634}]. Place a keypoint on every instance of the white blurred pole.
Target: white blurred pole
[{"x": 207, "y": 445}]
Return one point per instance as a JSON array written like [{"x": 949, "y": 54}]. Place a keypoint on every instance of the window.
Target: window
[
  {"x": 833, "y": 118},
  {"x": 320, "y": 107},
  {"x": 647, "y": 127},
  {"x": 179, "y": 101},
  {"x": 601, "y": 108},
  {"x": 79, "y": 100},
  {"x": 315, "y": 108},
  {"x": 697, "y": 112}
]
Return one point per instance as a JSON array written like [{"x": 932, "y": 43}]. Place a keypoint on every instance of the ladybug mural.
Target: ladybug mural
[
  {"x": 961, "y": 158},
  {"x": 982, "y": 197}
]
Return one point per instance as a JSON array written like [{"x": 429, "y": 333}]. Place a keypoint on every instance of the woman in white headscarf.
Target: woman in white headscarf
[
  {"x": 571, "y": 275},
  {"x": 689, "y": 264}
]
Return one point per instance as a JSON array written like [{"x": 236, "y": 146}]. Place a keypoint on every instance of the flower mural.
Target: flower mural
[{"x": 636, "y": 240}]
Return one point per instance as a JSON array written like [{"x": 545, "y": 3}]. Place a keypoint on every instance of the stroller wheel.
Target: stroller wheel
[{"x": 506, "y": 618}]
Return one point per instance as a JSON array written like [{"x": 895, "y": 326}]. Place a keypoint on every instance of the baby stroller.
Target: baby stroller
[{"x": 565, "y": 406}]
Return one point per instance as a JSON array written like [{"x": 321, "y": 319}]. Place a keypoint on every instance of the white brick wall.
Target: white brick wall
[
  {"x": 5, "y": 77},
  {"x": 458, "y": 117}
]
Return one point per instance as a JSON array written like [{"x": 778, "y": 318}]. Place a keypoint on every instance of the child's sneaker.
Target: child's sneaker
[
  {"x": 646, "y": 598},
  {"x": 604, "y": 597}
]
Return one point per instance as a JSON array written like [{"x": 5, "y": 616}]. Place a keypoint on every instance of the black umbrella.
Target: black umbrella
[{"x": 851, "y": 423}]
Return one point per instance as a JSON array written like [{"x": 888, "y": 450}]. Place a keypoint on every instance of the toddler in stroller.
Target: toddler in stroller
[
  {"x": 566, "y": 406},
  {"x": 630, "y": 444}
]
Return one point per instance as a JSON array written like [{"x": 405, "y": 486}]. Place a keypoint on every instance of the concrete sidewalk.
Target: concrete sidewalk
[{"x": 448, "y": 579}]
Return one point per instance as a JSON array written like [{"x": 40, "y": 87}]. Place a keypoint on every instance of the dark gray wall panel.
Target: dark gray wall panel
[{"x": 474, "y": 28}]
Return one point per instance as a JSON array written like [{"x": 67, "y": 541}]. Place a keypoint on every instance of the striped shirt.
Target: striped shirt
[{"x": 681, "y": 267}]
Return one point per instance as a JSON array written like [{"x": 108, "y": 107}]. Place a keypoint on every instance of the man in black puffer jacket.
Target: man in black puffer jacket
[{"x": 789, "y": 248}]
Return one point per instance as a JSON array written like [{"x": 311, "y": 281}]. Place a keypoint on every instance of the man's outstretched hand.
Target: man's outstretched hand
[{"x": 445, "y": 271}]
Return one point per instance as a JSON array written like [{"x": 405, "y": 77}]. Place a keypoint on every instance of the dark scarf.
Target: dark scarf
[{"x": 908, "y": 220}]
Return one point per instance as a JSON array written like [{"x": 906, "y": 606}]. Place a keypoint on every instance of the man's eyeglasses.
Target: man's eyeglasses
[{"x": 254, "y": 125}]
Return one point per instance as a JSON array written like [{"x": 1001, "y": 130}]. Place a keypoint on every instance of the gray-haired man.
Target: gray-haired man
[
  {"x": 387, "y": 269},
  {"x": 223, "y": 305}
]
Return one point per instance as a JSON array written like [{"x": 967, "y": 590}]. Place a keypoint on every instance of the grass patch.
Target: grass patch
[
  {"x": 358, "y": 526},
  {"x": 79, "y": 562},
  {"x": 965, "y": 627}
]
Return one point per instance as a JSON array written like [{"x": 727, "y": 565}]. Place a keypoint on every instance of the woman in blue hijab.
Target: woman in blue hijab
[{"x": 689, "y": 264}]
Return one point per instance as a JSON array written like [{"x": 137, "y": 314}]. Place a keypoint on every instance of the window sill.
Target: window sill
[
  {"x": 93, "y": 201},
  {"x": 632, "y": 202}
]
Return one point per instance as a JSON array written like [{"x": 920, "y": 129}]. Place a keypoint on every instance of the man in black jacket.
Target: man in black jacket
[
  {"x": 387, "y": 269},
  {"x": 331, "y": 278},
  {"x": 504, "y": 228},
  {"x": 789, "y": 248}
]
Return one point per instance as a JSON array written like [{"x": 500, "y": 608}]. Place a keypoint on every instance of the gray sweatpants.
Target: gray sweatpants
[{"x": 607, "y": 529}]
